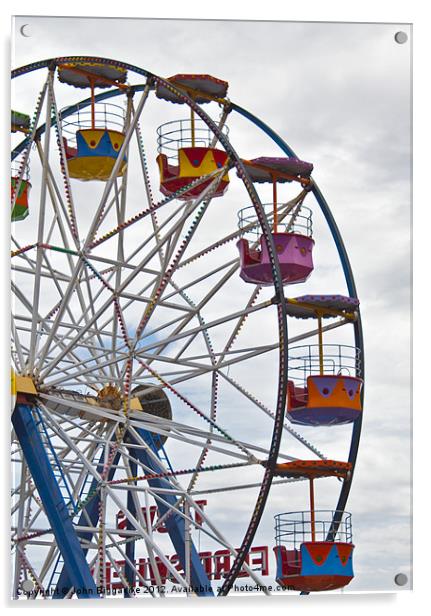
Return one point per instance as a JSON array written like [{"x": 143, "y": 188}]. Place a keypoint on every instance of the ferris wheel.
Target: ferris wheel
[{"x": 157, "y": 395}]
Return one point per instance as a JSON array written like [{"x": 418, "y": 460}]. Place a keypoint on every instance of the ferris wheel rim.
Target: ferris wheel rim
[{"x": 336, "y": 235}]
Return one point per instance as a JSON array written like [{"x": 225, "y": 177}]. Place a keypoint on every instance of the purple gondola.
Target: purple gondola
[{"x": 294, "y": 245}]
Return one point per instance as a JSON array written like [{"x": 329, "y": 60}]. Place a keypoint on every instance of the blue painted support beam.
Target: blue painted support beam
[
  {"x": 89, "y": 517},
  {"x": 53, "y": 502},
  {"x": 175, "y": 524}
]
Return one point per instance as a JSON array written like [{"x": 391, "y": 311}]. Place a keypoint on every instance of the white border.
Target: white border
[{"x": 393, "y": 11}]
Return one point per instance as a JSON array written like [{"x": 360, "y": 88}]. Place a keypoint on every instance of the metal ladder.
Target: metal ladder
[
  {"x": 155, "y": 442},
  {"x": 59, "y": 564},
  {"x": 55, "y": 463}
]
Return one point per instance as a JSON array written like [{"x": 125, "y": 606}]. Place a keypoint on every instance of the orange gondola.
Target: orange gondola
[{"x": 324, "y": 386}]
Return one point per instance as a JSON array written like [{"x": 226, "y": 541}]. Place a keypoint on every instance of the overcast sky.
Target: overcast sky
[{"x": 339, "y": 94}]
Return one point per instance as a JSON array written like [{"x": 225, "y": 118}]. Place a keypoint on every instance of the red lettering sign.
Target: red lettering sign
[{"x": 122, "y": 521}]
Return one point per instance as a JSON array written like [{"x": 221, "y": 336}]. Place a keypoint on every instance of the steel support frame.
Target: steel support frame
[
  {"x": 89, "y": 517},
  {"x": 175, "y": 524}
]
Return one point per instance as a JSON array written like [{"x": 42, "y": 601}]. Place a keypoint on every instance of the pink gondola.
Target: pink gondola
[{"x": 294, "y": 244}]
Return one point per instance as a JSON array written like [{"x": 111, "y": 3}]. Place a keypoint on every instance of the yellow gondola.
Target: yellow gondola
[{"x": 93, "y": 151}]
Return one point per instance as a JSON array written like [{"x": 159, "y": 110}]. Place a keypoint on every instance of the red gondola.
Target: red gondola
[
  {"x": 186, "y": 148},
  {"x": 314, "y": 548}
]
